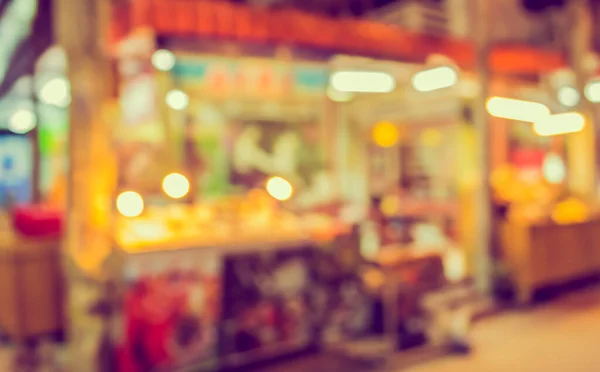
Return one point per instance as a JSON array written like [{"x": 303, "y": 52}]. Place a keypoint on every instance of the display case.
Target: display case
[
  {"x": 225, "y": 213},
  {"x": 185, "y": 304}
]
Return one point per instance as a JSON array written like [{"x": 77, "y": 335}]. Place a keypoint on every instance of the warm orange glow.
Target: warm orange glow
[
  {"x": 385, "y": 134},
  {"x": 390, "y": 205}
]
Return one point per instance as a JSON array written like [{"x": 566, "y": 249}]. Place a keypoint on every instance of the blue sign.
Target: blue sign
[{"x": 16, "y": 170}]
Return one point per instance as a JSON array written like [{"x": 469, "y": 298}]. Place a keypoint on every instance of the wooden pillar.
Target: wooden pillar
[
  {"x": 581, "y": 146},
  {"x": 79, "y": 29},
  {"x": 483, "y": 223}
]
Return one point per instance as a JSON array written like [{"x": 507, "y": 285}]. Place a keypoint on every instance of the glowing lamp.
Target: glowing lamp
[
  {"x": 279, "y": 188},
  {"x": 22, "y": 121},
  {"x": 177, "y": 99},
  {"x": 176, "y": 185},
  {"x": 362, "y": 82},
  {"x": 553, "y": 169},
  {"x": 56, "y": 92},
  {"x": 130, "y": 204},
  {"x": 163, "y": 60},
  {"x": 434, "y": 79},
  {"x": 570, "y": 122},
  {"x": 568, "y": 96},
  {"x": 385, "y": 134},
  {"x": 592, "y": 91},
  {"x": 515, "y": 109}
]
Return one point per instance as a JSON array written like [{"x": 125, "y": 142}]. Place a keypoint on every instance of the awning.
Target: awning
[{"x": 228, "y": 21}]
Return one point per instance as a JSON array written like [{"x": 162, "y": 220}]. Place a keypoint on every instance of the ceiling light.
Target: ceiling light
[
  {"x": 363, "y": 82},
  {"x": 434, "y": 79},
  {"x": 515, "y": 109},
  {"x": 570, "y": 122},
  {"x": 568, "y": 96},
  {"x": 22, "y": 121}
]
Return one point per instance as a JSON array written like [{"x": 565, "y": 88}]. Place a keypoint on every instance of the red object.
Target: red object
[
  {"x": 350, "y": 36},
  {"x": 528, "y": 158},
  {"x": 38, "y": 221}
]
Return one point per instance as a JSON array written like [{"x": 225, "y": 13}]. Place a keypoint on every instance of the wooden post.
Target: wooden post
[
  {"x": 79, "y": 29},
  {"x": 481, "y": 255},
  {"x": 581, "y": 146}
]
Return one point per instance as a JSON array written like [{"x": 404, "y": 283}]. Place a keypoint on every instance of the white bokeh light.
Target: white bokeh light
[
  {"x": 592, "y": 91},
  {"x": 559, "y": 124},
  {"x": 176, "y": 185},
  {"x": 362, "y": 82},
  {"x": 434, "y": 79},
  {"x": 22, "y": 121},
  {"x": 177, "y": 100},
  {"x": 163, "y": 60},
  {"x": 130, "y": 204},
  {"x": 279, "y": 188},
  {"x": 553, "y": 169},
  {"x": 516, "y": 109},
  {"x": 568, "y": 96},
  {"x": 56, "y": 92}
]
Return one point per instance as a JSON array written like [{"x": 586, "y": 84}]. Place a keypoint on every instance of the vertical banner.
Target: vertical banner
[{"x": 170, "y": 312}]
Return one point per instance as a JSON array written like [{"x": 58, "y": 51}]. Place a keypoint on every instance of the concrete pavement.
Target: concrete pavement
[{"x": 560, "y": 336}]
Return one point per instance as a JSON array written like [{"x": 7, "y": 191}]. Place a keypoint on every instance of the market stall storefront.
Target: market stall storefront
[
  {"x": 411, "y": 159},
  {"x": 142, "y": 193},
  {"x": 540, "y": 209},
  {"x": 225, "y": 254}
]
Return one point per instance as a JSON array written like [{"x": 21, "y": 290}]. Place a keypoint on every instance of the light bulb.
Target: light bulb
[
  {"x": 362, "y": 82},
  {"x": 568, "y": 96},
  {"x": 163, "y": 60},
  {"x": 385, "y": 134},
  {"x": 434, "y": 79},
  {"x": 56, "y": 92},
  {"x": 279, "y": 188},
  {"x": 130, "y": 204},
  {"x": 177, "y": 100},
  {"x": 176, "y": 185},
  {"x": 22, "y": 121},
  {"x": 515, "y": 109}
]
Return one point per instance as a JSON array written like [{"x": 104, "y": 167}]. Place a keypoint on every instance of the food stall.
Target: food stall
[
  {"x": 415, "y": 146},
  {"x": 410, "y": 144},
  {"x": 227, "y": 250},
  {"x": 545, "y": 230}
]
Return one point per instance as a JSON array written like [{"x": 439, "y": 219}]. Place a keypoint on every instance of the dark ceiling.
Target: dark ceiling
[{"x": 333, "y": 8}]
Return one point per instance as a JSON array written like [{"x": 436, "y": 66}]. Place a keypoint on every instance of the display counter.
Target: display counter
[
  {"x": 542, "y": 254},
  {"x": 195, "y": 306}
]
